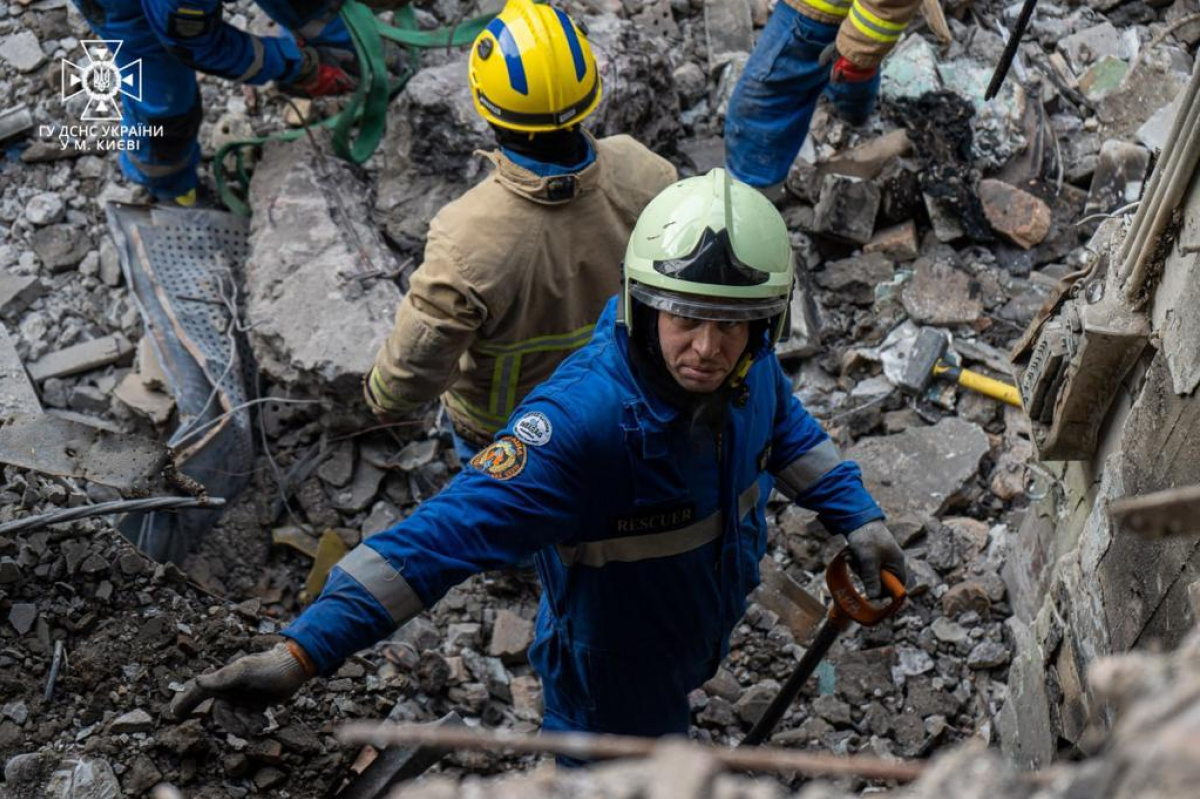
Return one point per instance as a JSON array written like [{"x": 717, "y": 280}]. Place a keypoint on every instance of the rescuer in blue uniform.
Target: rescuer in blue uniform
[
  {"x": 637, "y": 477},
  {"x": 176, "y": 38}
]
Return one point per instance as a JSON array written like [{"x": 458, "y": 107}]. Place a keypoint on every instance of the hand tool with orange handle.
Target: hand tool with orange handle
[{"x": 848, "y": 605}]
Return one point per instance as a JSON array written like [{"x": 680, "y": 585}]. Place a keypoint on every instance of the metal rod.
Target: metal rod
[
  {"x": 1010, "y": 50},
  {"x": 55, "y": 665},
  {"x": 824, "y": 639},
  {"x": 105, "y": 508},
  {"x": 588, "y": 746}
]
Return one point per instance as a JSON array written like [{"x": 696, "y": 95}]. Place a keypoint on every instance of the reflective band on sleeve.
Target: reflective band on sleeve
[
  {"x": 804, "y": 472},
  {"x": 383, "y": 582},
  {"x": 256, "y": 64},
  {"x": 834, "y": 8},
  {"x": 873, "y": 27},
  {"x": 629, "y": 549},
  {"x": 385, "y": 398}
]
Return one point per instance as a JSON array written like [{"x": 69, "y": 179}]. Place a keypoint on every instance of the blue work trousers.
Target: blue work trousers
[
  {"x": 169, "y": 96},
  {"x": 773, "y": 103}
]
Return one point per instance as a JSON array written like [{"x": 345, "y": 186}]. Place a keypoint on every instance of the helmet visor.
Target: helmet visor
[{"x": 717, "y": 309}]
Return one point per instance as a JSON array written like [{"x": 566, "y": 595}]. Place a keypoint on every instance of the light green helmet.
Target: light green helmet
[{"x": 710, "y": 247}]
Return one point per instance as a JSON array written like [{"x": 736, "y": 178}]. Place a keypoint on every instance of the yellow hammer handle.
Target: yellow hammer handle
[{"x": 989, "y": 387}]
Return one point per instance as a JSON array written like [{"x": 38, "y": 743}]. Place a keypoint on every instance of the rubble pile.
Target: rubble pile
[
  {"x": 944, "y": 212},
  {"x": 1150, "y": 754}
]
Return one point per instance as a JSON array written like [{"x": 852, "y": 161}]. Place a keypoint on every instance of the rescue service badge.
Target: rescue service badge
[
  {"x": 534, "y": 429},
  {"x": 503, "y": 459}
]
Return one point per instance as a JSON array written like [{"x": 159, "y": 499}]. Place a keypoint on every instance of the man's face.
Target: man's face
[{"x": 698, "y": 353}]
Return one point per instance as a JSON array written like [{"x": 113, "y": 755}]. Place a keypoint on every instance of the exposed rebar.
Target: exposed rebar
[
  {"x": 588, "y": 746},
  {"x": 105, "y": 508}
]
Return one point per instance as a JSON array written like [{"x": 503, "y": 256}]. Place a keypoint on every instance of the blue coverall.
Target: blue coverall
[
  {"x": 773, "y": 102},
  {"x": 646, "y": 531},
  {"x": 173, "y": 38}
]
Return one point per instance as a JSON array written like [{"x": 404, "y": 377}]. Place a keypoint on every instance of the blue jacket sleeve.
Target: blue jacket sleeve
[
  {"x": 808, "y": 468},
  {"x": 194, "y": 32},
  {"x": 515, "y": 499}
]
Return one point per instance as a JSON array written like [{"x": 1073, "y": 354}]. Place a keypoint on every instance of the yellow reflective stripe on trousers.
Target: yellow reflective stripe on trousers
[
  {"x": 834, "y": 8},
  {"x": 874, "y": 27},
  {"x": 630, "y": 549},
  {"x": 382, "y": 581},
  {"x": 506, "y": 374},
  {"x": 807, "y": 470}
]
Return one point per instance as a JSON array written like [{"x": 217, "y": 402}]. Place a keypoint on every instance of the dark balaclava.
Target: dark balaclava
[{"x": 561, "y": 147}]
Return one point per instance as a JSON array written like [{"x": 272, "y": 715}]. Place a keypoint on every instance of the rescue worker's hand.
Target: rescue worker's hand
[
  {"x": 873, "y": 548},
  {"x": 844, "y": 70},
  {"x": 319, "y": 78},
  {"x": 254, "y": 681}
]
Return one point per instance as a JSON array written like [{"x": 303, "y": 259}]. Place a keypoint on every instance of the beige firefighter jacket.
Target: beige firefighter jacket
[
  {"x": 868, "y": 29},
  {"x": 516, "y": 273}
]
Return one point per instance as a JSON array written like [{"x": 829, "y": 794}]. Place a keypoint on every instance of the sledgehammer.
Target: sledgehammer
[
  {"x": 848, "y": 605},
  {"x": 925, "y": 362}
]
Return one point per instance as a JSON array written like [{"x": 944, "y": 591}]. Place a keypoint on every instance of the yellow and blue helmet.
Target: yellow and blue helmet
[{"x": 532, "y": 70}]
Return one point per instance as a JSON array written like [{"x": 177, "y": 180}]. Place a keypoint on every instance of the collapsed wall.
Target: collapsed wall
[{"x": 1084, "y": 583}]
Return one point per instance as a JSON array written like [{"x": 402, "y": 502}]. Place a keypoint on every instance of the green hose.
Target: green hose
[{"x": 359, "y": 127}]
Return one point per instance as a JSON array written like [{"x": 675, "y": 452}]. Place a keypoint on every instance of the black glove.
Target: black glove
[
  {"x": 253, "y": 681},
  {"x": 873, "y": 548}
]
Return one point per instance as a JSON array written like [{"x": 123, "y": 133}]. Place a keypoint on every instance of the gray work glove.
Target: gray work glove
[
  {"x": 253, "y": 681},
  {"x": 872, "y": 549}
]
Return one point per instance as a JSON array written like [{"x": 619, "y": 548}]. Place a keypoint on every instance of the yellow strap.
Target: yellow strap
[
  {"x": 873, "y": 27},
  {"x": 834, "y": 9}
]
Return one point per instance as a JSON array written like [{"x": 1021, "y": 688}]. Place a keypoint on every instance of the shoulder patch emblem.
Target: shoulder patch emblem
[
  {"x": 503, "y": 459},
  {"x": 534, "y": 429}
]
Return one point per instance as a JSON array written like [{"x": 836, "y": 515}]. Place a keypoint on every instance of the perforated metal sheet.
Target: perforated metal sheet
[{"x": 183, "y": 266}]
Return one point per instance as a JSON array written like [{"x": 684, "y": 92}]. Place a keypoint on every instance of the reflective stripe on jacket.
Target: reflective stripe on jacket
[
  {"x": 647, "y": 530},
  {"x": 869, "y": 29},
  {"x": 515, "y": 273}
]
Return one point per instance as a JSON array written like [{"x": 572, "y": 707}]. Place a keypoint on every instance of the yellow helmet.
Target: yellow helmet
[{"x": 532, "y": 70}]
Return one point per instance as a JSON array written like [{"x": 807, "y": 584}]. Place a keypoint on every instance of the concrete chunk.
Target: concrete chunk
[
  {"x": 919, "y": 471},
  {"x": 511, "y": 636},
  {"x": 22, "y": 50},
  {"x": 315, "y": 314},
  {"x": 854, "y": 279},
  {"x": 18, "y": 291},
  {"x": 1120, "y": 175},
  {"x": 847, "y": 208},
  {"x": 940, "y": 294},
  {"x": 1017, "y": 215},
  {"x": 15, "y": 121},
  {"x": 17, "y": 394},
  {"x": 898, "y": 242},
  {"x": 910, "y": 71},
  {"x": 728, "y": 29},
  {"x": 1091, "y": 45},
  {"x": 82, "y": 357}
]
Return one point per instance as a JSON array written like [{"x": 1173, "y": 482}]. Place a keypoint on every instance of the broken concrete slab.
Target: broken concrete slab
[
  {"x": 940, "y": 294},
  {"x": 910, "y": 71},
  {"x": 15, "y": 122},
  {"x": 140, "y": 398},
  {"x": 847, "y": 208},
  {"x": 1120, "y": 174},
  {"x": 1090, "y": 45},
  {"x": 867, "y": 161},
  {"x": 1103, "y": 77},
  {"x": 1154, "y": 133},
  {"x": 23, "y": 50},
  {"x": 512, "y": 636},
  {"x": 898, "y": 242},
  {"x": 944, "y": 218},
  {"x": 60, "y": 247},
  {"x": 53, "y": 445},
  {"x": 1017, "y": 215},
  {"x": 319, "y": 302},
  {"x": 920, "y": 471},
  {"x": 854, "y": 279},
  {"x": 728, "y": 30},
  {"x": 1157, "y": 79},
  {"x": 17, "y": 394},
  {"x": 1023, "y": 722},
  {"x": 82, "y": 357},
  {"x": 18, "y": 291}
]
